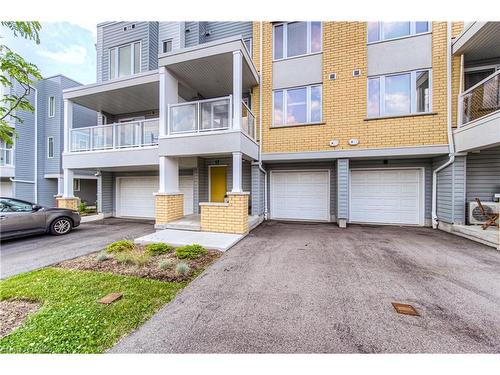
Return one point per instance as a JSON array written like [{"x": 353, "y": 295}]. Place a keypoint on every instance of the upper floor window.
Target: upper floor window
[
  {"x": 296, "y": 38},
  {"x": 399, "y": 94},
  {"x": 52, "y": 106},
  {"x": 167, "y": 45},
  {"x": 298, "y": 105},
  {"x": 378, "y": 31},
  {"x": 50, "y": 147},
  {"x": 125, "y": 60}
]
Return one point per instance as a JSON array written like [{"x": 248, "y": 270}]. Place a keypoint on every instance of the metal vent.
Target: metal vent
[
  {"x": 332, "y": 76},
  {"x": 356, "y": 72}
]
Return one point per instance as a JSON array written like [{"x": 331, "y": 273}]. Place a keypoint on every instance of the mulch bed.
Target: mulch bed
[
  {"x": 13, "y": 313},
  {"x": 150, "y": 270}
]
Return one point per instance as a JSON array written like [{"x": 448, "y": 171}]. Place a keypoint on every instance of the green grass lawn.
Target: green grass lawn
[{"x": 70, "y": 320}]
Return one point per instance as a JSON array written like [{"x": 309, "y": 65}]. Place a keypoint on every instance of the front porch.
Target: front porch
[{"x": 192, "y": 222}]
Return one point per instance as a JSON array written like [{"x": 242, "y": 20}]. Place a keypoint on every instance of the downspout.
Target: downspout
[
  {"x": 451, "y": 145},
  {"x": 260, "y": 124}
]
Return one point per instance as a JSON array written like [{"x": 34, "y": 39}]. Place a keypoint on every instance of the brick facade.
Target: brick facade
[
  {"x": 71, "y": 203},
  {"x": 169, "y": 207},
  {"x": 231, "y": 217}
]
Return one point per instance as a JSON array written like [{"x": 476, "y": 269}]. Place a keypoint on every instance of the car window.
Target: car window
[{"x": 12, "y": 205}]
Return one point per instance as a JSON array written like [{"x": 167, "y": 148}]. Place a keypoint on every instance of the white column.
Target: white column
[
  {"x": 169, "y": 94},
  {"x": 237, "y": 172},
  {"x": 60, "y": 186},
  {"x": 237, "y": 88},
  {"x": 169, "y": 175},
  {"x": 68, "y": 123},
  {"x": 68, "y": 183}
]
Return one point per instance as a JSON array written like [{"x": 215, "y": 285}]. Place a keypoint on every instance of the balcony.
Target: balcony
[
  {"x": 6, "y": 161},
  {"x": 479, "y": 115},
  {"x": 122, "y": 135}
]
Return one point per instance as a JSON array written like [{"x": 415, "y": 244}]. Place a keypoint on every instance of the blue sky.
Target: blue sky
[{"x": 65, "y": 48}]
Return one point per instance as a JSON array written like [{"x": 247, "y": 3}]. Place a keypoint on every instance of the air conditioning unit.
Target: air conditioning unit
[{"x": 475, "y": 215}]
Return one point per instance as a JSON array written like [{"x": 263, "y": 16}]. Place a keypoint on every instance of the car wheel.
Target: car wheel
[{"x": 61, "y": 226}]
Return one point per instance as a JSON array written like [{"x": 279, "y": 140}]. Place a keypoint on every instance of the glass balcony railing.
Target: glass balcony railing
[
  {"x": 247, "y": 120},
  {"x": 115, "y": 136},
  {"x": 481, "y": 99},
  {"x": 200, "y": 116}
]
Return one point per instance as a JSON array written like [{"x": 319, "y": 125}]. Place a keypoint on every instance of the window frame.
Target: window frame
[
  {"x": 308, "y": 106},
  {"x": 413, "y": 29},
  {"x": 76, "y": 184},
  {"x": 413, "y": 96},
  {"x": 51, "y": 107},
  {"x": 166, "y": 41},
  {"x": 50, "y": 140},
  {"x": 285, "y": 40},
  {"x": 115, "y": 50}
]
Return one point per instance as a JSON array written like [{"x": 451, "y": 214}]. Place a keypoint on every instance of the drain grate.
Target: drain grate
[{"x": 403, "y": 308}]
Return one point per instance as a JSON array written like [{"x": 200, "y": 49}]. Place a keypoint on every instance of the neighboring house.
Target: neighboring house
[
  {"x": 356, "y": 121},
  {"x": 31, "y": 168}
]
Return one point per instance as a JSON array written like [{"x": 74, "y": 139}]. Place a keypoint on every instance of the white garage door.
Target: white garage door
[
  {"x": 300, "y": 195},
  {"x": 136, "y": 195},
  {"x": 386, "y": 196},
  {"x": 6, "y": 189}
]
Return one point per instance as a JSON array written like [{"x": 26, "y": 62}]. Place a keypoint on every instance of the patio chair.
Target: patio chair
[{"x": 491, "y": 218}]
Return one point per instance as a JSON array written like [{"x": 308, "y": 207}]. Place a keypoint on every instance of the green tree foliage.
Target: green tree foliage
[{"x": 13, "y": 67}]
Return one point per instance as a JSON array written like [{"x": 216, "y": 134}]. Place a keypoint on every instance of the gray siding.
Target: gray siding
[
  {"x": 483, "y": 174},
  {"x": 174, "y": 31},
  {"x": 192, "y": 34},
  {"x": 220, "y": 30},
  {"x": 405, "y": 163},
  {"x": 88, "y": 191},
  {"x": 342, "y": 189},
  {"x": 106, "y": 193},
  {"x": 330, "y": 165},
  {"x": 258, "y": 191}
]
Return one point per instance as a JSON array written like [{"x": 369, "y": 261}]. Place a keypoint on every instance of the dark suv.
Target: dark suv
[{"x": 20, "y": 218}]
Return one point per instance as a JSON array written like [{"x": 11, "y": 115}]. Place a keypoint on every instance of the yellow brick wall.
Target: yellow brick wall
[
  {"x": 227, "y": 218},
  {"x": 71, "y": 203},
  {"x": 456, "y": 28},
  {"x": 169, "y": 207},
  {"x": 344, "y": 99}
]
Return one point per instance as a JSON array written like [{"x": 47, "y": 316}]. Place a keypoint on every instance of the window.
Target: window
[
  {"x": 50, "y": 147},
  {"x": 167, "y": 45},
  {"x": 76, "y": 184},
  {"x": 14, "y": 205},
  {"x": 52, "y": 106},
  {"x": 296, "y": 39},
  {"x": 378, "y": 31},
  {"x": 299, "y": 105},
  {"x": 399, "y": 94},
  {"x": 125, "y": 60}
]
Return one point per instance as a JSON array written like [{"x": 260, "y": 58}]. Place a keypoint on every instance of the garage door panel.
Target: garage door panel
[
  {"x": 385, "y": 197},
  {"x": 300, "y": 195}
]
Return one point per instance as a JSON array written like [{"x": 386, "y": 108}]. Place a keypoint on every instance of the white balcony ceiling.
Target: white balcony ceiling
[
  {"x": 478, "y": 41},
  {"x": 208, "y": 68},
  {"x": 132, "y": 94}
]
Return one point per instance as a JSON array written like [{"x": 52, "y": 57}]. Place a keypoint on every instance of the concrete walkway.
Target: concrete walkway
[{"x": 289, "y": 288}]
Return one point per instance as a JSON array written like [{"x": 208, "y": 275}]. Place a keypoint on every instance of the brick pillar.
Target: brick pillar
[
  {"x": 230, "y": 217},
  {"x": 169, "y": 207},
  {"x": 70, "y": 203}
]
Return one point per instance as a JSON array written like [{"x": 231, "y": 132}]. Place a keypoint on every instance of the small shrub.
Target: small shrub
[
  {"x": 159, "y": 248},
  {"x": 102, "y": 256},
  {"x": 120, "y": 246},
  {"x": 166, "y": 264},
  {"x": 190, "y": 251},
  {"x": 82, "y": 207},
  {"x": 140, "y": 260},
  {"x": 182, "y": 268},
  {"x": 125, "y": 258}
]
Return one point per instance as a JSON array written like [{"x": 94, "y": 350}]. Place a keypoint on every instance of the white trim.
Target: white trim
[
  {"x": 132, "y": 59},
  {"x": 421, "y": 195},
  {"x": 76, "y": 184},
  {"x": 299, "y": 170},
  {"x": 171, "y": 40},
  {"x": 210, "y": 179},
  {"x": 411, "y": 34},
  {"x": 52, "y": 107},
  {"x": 48, "y": 147},
  {"x": 285, "y": 40}
]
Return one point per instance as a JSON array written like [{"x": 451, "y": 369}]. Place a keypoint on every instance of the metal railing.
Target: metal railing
[
  {"x": 115, "y": 136},
  {"x": 247, "y": 120},
  {"x": 200, "y": 116},
  {"x": 6, "y": 156},
  {"x": 480, "y": 100}
]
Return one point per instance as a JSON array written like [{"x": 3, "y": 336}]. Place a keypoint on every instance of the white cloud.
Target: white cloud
[
  {"x": 87, "y": 25},
  {"x": 74, "y": 54}
]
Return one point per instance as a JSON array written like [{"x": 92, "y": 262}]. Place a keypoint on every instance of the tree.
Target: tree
[{"x": 14, "y": 67}]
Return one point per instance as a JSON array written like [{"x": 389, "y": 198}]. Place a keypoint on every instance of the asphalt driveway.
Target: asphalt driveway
[
  {"x": 26, "y": 254},
  {"x": 317, "y": 288}
]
